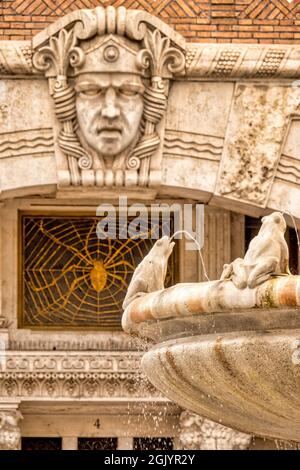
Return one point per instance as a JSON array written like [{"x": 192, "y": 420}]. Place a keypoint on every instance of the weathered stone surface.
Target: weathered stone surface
[
  {"x": 26, "y": 136},
  {"x": 201, "y": 139},
  {"x": 242, "y": 60},
  {"x": 258, "y": 124}
]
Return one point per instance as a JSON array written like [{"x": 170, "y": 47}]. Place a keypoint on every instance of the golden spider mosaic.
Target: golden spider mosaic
[{"x": 72, "y": 278}]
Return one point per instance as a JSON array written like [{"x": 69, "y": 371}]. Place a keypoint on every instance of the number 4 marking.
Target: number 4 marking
[{"x": 97, "y": 423}]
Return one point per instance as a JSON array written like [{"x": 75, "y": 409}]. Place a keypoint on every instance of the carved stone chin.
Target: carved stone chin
[{"x": 110, "y": 71}]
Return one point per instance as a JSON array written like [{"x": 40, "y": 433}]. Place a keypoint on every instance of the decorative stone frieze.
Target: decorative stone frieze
[{"x": 58, "y": 375}]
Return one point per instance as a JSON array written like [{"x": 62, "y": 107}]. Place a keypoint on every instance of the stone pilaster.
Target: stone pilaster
[
  {"x": 10, "y": 434},
  {"x": 223, "y": 240},
  {"x": 2, "y": 319},
  {"x": 198, "y": 433}
]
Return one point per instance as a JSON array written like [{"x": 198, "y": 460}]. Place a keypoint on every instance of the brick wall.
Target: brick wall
[{"x": 250, "y": 21}]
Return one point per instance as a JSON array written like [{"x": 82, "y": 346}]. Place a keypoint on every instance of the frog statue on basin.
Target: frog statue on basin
[{"x": 226, "y": 349}]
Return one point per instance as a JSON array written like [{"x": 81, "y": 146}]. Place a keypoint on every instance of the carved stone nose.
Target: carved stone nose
[{"x": 110, "y": 109}]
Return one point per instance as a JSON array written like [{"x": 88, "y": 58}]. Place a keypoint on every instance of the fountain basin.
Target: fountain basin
[
  {"x": 229, "y": 355},
  {"x": 246, "y": 381}
]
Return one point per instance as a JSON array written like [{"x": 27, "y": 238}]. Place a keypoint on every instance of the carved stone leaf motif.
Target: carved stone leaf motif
[
  {"x": 157, "y": 55},
  {"x": 60, "y": 53}
]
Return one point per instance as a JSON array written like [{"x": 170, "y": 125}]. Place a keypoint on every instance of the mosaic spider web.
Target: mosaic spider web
[{"x": 72, "y": 278}]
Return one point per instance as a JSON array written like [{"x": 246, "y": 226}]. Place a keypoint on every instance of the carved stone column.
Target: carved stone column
[
  {"x": 198, "y": 433},
  {"x": 10, "y": 434}
]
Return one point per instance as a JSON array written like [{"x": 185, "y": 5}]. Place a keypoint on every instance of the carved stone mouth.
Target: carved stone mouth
[{"x": 110, "y": 132}]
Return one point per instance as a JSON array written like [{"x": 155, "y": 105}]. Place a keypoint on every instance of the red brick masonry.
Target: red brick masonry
[{"x": 249, "y": 21}]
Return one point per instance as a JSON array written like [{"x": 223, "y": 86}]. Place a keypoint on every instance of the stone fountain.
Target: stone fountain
[{"x": 229, "y": 349}]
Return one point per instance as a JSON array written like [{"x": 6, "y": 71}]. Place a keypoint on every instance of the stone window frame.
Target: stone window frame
[{"x": 10, "y": 256}]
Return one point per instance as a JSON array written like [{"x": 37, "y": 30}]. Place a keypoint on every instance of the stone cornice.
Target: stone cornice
[{"x": 203, "y": 61}]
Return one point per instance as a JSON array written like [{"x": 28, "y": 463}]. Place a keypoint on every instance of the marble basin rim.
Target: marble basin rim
[{"x": 230, "y": 356}]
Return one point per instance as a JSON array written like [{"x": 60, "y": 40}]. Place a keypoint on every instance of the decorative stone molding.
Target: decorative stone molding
[
  {"x": 10, "y": 435},
  {"x": 108, "y": 133},
  {"x": 226, "y": 61},
  {"x": 23, "y": 340},
  {"x": 198, "y": 433},
  {"x": 16, "y": 58},
  {"x": 242, "y": 61},
  {"x": 27, "y": 142},
  {"x": 59, "y": 375}
]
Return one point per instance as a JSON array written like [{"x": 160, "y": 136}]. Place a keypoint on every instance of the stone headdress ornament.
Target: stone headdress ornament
[{"x": 109, "y": 40}]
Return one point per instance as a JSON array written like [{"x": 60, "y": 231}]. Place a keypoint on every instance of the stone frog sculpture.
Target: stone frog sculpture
[
  {"x": 267, "y": 255},
  {"x": 150, "y": 274}
]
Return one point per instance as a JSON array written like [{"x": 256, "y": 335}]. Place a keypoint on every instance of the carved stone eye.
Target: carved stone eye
[
  {"x": 91, "y": 92},
  {"x": 128, "y": 92}
]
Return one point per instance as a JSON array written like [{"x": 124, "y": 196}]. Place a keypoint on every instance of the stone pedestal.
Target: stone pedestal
[
  {"x": 10, "y": 434},
  {"x": 198, "y": 433}
]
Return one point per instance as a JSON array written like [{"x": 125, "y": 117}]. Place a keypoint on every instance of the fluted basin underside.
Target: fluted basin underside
[{"x": 246, "y": 380}]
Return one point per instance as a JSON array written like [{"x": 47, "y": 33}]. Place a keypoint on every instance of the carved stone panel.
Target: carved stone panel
[
  {"x": 195, "y": 129},
  {"x": 108, "y": 73}
]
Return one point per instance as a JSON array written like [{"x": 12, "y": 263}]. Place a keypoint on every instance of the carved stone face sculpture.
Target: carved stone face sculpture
[
  {"x": 109, "y": 95},
  {"x": 109, "y": 110},
  {"x": 109, "y": 70}
]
